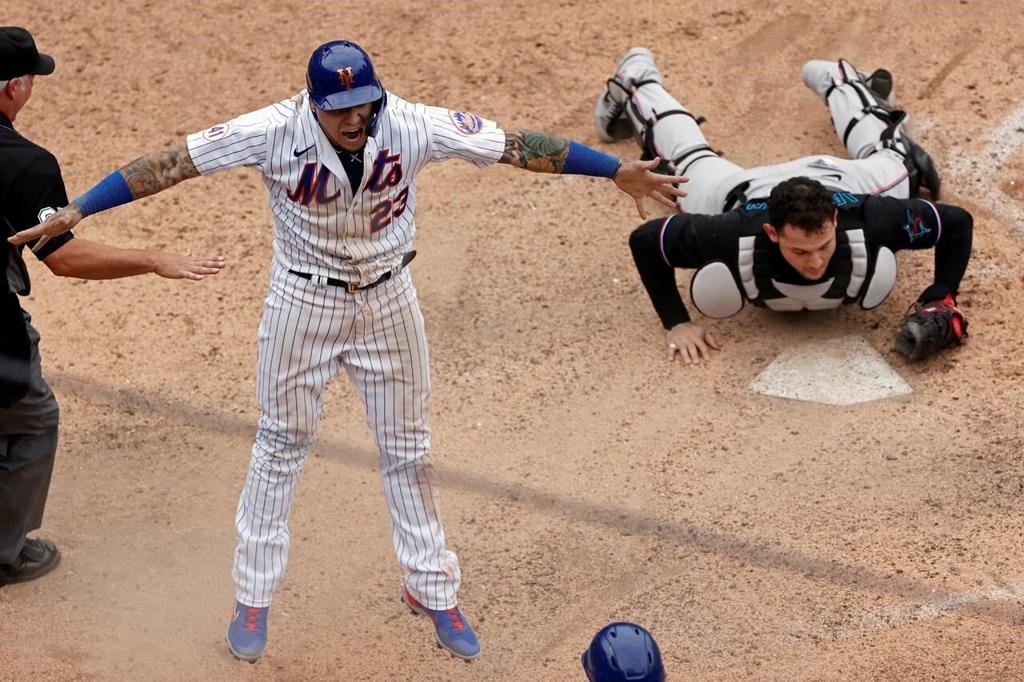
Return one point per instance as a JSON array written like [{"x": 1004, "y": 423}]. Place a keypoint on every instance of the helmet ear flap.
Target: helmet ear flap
[{"x": 378, "y": 106}]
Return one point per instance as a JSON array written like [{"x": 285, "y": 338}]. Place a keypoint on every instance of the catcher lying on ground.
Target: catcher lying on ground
[
  {"x": 807, "y": 234},
  {"x": 805, "y": 248}
]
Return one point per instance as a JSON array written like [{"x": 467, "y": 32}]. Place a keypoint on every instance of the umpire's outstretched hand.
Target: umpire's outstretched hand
[
  {"x": 637, "y": 179},
  {"x": 57, "y": 224}
]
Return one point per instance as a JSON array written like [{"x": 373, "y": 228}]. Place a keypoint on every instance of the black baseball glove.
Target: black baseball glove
[{"x": 931, "y": 327}]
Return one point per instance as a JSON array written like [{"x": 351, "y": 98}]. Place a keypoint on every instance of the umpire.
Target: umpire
[
  {"x": 31, "y": 188},
  {"x": 30, "y": 183}
]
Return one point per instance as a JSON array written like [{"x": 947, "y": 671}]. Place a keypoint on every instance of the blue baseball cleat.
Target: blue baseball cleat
[
  {"x": 453, "y": 631},
  {"x": 247, "y": 632}
]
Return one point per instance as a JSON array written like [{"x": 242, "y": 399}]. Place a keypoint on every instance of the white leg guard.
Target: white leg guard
[
  {"x": 860, "y": 116},
  {"x": 865, "y": 120},
  {"x": 665, "y": 129}
]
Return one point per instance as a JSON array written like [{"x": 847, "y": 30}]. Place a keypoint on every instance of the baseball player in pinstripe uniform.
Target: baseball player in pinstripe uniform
[{"x": 339, "y": 161}]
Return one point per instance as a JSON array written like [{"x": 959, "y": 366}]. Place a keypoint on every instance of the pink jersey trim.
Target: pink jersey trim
[
  {"x": 888, "y": 187},
  {"x": 661, "y": 241},
  {"x": 938, "y": 218}
]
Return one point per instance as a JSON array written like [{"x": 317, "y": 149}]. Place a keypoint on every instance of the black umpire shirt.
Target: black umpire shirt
[
  {"x": 31, "y": 187},
  {"x": 690, "y": 240}
]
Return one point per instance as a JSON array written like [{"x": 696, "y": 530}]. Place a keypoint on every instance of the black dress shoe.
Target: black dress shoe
[{"x": 37, "y": 558}]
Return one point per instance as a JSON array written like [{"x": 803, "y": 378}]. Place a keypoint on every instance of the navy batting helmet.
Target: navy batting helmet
[
  {"x": 623, "y": 652},
  {"x": 341, "y": 75}
]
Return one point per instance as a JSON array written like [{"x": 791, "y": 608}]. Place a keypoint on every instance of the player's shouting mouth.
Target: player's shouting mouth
[{"x": 346, "y": 128}]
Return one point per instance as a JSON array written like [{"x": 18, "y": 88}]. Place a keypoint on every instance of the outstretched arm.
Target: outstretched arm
[
  {"x": 544, "y": 153},
  {"x": 142, "y": 177},
  {"x": 91, "y": 260},
  {"x": 158, "y": 170}
]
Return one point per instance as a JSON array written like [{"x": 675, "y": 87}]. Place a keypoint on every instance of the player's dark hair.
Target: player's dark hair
[{"x": 800, "y": 202}]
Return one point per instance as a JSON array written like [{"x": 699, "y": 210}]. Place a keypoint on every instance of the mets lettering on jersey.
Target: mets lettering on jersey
[{"x": 322, "y": 225}]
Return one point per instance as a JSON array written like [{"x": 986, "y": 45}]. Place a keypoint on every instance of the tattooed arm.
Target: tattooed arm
[
  {"x": 158, "y": 170},
  {"x": 544, "y": 153},
  {"x": 142, "y": 177},
  {"x": 534, "y": 151}
]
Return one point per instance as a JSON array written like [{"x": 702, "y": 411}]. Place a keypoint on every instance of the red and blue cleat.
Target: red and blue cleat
[
  {"x": 247, "y": 632},
  {"x": 453, "y": 631}
]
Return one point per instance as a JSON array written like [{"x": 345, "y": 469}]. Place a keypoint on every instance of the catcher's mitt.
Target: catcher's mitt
[{"x": 930, "y": 327}]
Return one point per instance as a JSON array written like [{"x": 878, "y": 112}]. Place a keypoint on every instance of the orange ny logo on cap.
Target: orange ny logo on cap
[{"x": 346, "y": 77}]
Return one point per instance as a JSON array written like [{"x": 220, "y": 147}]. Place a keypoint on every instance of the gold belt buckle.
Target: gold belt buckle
[{"x": 352, "y": 287}]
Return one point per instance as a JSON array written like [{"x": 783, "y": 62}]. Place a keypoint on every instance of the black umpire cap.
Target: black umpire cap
[{"x": 19, "y": 56}]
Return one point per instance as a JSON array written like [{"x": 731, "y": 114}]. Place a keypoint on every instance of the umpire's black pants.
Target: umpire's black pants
[{"x": 28, "y": 445}]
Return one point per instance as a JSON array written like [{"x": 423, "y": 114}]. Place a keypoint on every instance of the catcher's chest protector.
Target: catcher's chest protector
[{"x": 718, "y": 290}]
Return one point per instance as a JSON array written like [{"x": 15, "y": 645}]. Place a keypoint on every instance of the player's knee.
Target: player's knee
[{"x": 817, "y": 75}]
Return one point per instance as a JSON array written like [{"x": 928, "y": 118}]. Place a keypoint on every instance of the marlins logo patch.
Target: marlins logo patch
[
  {"x": 914, "y": 228},
  {"x": 215, "y": 133},
  {"x": 466, "y": 123}
]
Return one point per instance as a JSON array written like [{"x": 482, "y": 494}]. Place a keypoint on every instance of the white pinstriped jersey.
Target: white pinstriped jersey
[{"x": 321, "y": 227}]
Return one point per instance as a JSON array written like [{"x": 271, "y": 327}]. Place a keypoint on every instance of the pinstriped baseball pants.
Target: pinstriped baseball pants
[{"x": 308, "y": 333}]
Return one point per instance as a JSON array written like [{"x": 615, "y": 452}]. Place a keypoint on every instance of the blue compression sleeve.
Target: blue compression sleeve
[
  {"x": 110, "y": 192},
  {"x": 582, "y": 160}
]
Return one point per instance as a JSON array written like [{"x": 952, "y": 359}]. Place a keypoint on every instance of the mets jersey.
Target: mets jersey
[{"x": 322, "y": 225}]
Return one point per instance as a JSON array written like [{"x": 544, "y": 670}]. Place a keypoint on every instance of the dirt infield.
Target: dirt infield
[{"x": 585, "y": 479}]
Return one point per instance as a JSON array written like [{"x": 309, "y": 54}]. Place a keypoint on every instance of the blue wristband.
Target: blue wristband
[
  {"x": 582, "y": 160},
  {"x": 110, "y": 192}
]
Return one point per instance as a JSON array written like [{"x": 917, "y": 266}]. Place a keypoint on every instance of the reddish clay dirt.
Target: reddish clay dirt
[{"x": 585, "y": 479}]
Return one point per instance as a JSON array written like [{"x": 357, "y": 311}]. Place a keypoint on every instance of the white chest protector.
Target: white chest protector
[{"x": 718, "y": 290}]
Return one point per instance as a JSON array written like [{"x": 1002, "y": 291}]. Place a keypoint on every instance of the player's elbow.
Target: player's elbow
[
  {"x": 59, "y": 264},
  {"x": 645, "y": 237}
]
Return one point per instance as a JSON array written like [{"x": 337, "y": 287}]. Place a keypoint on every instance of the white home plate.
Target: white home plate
[{"x": 842, "y": 371}]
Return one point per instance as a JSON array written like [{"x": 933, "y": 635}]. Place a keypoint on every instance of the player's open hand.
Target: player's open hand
[
  {"x": 187, "y": 266},
  {"x": 691, "y": 342},
  {"x": 638, "y": 180},
  {"x": 56, "y": 224}
]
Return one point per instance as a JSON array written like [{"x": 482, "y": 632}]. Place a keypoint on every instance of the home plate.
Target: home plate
[{"x": 842, "y": 371}]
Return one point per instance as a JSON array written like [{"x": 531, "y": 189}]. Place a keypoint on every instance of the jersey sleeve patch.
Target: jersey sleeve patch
[
  {"x": 466, "y": 123},
  {"x": 215, "y": 133}
]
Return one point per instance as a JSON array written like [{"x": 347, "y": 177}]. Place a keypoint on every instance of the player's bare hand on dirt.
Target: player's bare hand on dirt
[
  {"x": 691, "y": 342},
  {"x": 187, "y": 266},
  {"x": 637, "y": 179},
  {"x": 55, "y": 225}
]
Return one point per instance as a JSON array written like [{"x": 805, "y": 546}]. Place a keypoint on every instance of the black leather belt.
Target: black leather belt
[{"x": 352, "y": 287}]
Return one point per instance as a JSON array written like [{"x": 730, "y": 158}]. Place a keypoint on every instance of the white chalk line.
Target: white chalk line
[
  {"x": 982, "y": 170},
  {"x": 1004, "y": 141},
  {"x": 936, "y": 608}
]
